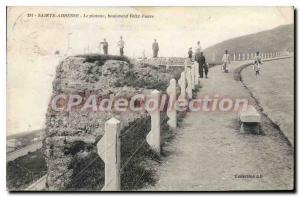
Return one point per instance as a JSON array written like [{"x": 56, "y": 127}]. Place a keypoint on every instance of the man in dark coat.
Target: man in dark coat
[
  {"x": 155, "y": 48},
  {"x": 199, "y": 57},
  {"x": 104, "y": 46},
  {"x": 190, "y": 53}
]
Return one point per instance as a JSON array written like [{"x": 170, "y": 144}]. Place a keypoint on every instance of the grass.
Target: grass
[
  {"x": 274, "y": 90},
  {"x": 138, "y": 161},
  {"x": 102, "y": 58},
  {"x": 23, "y": 171}
]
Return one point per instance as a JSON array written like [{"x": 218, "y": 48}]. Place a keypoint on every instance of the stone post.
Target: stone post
[
  {"x": 171, "y": 111},
  {"x": 248, "y": 56},
  {"x": 196, "y": 69},
  {"x": 239, "y": 56},
  {"x": 153, "y": 137},
  {"x": 111, "y": 155},
  {"x": 234, "y": 57},
  {"x": 185, "y": 66},
  {"x": 193, "y": 76},
  {"x": 182, "y": 85},
  {"x": 189, "y": 83}
]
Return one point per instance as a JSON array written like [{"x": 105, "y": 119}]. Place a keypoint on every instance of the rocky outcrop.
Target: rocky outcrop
[{"x": 71, "y": 135}]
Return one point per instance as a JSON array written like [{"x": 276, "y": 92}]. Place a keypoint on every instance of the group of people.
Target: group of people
[
  {"x": 203, "y": 65},
  {"x": 200, "y": 59},
  {"x": 121, "y": 45},
  {"x": 256, "y": 63}
]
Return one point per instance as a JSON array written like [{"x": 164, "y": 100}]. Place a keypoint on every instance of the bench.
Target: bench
[{"x": 250, "y": 120}]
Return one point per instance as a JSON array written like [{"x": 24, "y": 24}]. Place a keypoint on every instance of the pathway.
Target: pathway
[{"x": 209, "y": 153}]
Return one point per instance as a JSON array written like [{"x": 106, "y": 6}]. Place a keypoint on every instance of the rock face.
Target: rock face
[{"x": 71, "y": 136}]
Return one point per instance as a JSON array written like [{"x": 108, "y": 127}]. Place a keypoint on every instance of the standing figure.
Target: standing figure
[
  {"x": 225, "y": 61},
  {"x": 199, "y": 57},
  {"x": 257, "y": 63},
  {"x": 104, "y": 46},
  {"x": 190, "y": 53},
  {"x": 121, "y": 45},
  {"x": 198, "y": 48},
  {"x": 155, "y": 48},
  {"x": 206, "y": 66}
]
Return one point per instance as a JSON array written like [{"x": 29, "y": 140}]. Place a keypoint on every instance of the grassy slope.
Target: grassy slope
[
  {"x": 23, "y": 171},
  {"x": 274, "y": 89},
  {"x": 278, "y": 39}
]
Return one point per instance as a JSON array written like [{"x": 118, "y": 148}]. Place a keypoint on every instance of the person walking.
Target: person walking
[
  {"x": 155, "y": 48},
  {"x": 199, "y": 57},
  {"x": 190, "y": 53},
  {"x": 257, "y": 63},
  {"x": 121, "y": 45},
  {"x": 104, "y": 46},
  {"x": 225, "y": 61}
]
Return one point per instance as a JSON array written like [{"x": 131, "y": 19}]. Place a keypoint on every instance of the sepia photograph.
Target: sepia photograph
[{"x": 150, "y": 99}]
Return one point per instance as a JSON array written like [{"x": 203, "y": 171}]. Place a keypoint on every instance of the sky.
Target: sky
[{"x": 32, "y": 41}]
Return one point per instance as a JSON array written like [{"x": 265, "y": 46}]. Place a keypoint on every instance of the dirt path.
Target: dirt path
[{"x": 209, "y": 152}]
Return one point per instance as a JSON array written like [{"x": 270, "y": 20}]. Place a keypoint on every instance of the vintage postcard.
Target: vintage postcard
[{"x": 150, "y": 99}]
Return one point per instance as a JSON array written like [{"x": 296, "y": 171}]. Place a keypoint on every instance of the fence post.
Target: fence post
[
  {"x": 111, "y": 155},
  {"x": 189, "y": 83},
  {"x": 182, "y": 84},
  {"x": 193, "y": 76},
  {"x": 153, "y": 137},
  {"x": 171, "y": 111},
  {"x": 196, "y": 70},
  {"x": 234, "y": 57}
]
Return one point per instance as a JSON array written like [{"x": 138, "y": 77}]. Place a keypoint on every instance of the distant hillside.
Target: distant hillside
[{"x": 278, "y": 39}]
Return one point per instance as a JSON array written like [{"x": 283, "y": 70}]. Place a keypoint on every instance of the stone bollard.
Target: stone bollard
[
  {"x": 239, "y": 56},
  {"x": 111, "y": 155},
  {"x": 196, "y": 73},
  {"x": 185, "y": 66},
  {"x": 193, "y": 76},
  {"x": 182, "y": 85},
  {"x": 171, "y": 111},
  {"x": 153, "y": 137},
  {"x": 234, "y": 57},
  {"x": 189, "y": 83}
]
